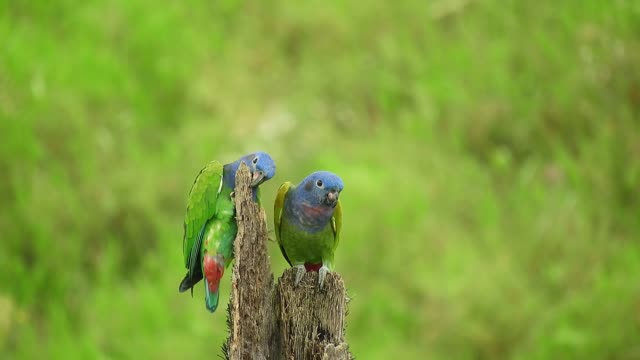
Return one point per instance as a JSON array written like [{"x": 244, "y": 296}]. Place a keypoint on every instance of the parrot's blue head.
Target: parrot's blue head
[
  {"x": 261, "y": 165},
  {"x": 321, "y": 188}
]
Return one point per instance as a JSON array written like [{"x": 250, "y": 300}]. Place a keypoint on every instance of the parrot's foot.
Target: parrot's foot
[
  {"x": 301, "y": 270},
  {"x": 322, "y": 274}
]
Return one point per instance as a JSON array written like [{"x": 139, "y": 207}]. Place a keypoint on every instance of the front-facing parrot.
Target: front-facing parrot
[
  {"x": 210, "y": 225},
  {"x": 307, "y": 220}
]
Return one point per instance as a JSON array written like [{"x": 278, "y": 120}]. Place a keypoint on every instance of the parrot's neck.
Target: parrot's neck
[
  {"x": 308, "y": 216},
  {"x": 229, "y": 178}
]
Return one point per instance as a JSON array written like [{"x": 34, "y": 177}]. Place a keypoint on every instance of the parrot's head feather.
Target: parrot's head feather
[
  {"x": 321, "y": 188},
  {"x": 261, "y": 165}
]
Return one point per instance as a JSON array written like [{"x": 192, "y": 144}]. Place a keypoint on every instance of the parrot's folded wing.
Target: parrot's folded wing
[
  {"x": 278, "y": 208},
  {"x": 201, "y": 207},
  {"x": 336, "y": 223}
]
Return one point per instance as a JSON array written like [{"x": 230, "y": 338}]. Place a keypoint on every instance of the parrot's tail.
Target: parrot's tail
[
  {"x": 211, "y": 298},
  {"x": 213, "y": 269}
]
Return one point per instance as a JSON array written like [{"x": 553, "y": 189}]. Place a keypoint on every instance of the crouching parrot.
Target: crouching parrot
[
  {"x": 307, "y": 220},
  {"x": 210, "y": 225}
]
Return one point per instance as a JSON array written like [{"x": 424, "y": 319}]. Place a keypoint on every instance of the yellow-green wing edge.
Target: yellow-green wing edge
[{"x": 278, "y": 208}]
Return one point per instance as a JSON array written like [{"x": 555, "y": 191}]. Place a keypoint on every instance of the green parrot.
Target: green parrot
[
  {"x": 307, "y": 220},
  {"x": 210, "y": 225}
]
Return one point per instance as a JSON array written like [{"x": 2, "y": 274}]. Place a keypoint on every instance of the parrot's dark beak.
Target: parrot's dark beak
[
  {"x": 332, "y": 198},
  {"x": 257, "y": 179}
]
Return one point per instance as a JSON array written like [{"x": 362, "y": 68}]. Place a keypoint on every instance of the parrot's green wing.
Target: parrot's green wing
[
  {"x": 278, "y": 208},
  {"x": 336, "y": 223},
  {"x": 201, "y": 207}
]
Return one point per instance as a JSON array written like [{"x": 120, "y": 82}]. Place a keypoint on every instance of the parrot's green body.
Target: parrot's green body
[
  {"x": 215, "y": 209},
  {"x": 220, "y": 232},
  {"x": 304, "y": 247}
]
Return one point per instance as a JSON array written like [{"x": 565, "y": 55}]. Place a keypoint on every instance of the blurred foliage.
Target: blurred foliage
[{"x": 490, "y": 151}]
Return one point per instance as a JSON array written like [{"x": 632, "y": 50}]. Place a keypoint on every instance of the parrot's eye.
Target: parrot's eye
[
  {"x": 255, "y": 160},
  {"x": 319, "y": 183}
]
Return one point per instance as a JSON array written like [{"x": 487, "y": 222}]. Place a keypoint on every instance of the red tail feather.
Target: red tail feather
[
  {"x": 213, "y": 270},
  {"x": 312, "y": 267}
]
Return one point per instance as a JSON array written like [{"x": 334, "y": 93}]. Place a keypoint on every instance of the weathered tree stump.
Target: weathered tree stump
[
  {"x": 311, "y": 320},
  {"x": 282, "y": 321},
  {"x": 251, "y": 318}
]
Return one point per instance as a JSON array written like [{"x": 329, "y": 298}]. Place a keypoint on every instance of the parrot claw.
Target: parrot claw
[
  {"x": 322, "y": 274},
  {"x": 299, "y": 274}
]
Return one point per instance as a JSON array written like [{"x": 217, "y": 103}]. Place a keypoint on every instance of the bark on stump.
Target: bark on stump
[
  {"x": 278, "y": 322},
  {"x": 311, "y": 321}
]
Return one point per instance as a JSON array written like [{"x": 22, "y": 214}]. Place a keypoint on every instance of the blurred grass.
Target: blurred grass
[{"x": 490, "y": 151}]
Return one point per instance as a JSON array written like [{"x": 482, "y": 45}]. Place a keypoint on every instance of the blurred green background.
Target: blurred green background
[{"x": 490, "y": 151}]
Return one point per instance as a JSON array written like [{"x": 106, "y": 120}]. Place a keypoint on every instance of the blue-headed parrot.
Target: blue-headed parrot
[
  {"x": 308, "y": 219},
  {"x": 210, "y": 225}
]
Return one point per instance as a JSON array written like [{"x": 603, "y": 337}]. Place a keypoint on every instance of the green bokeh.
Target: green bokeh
[{"x": 490, "y": 152}]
